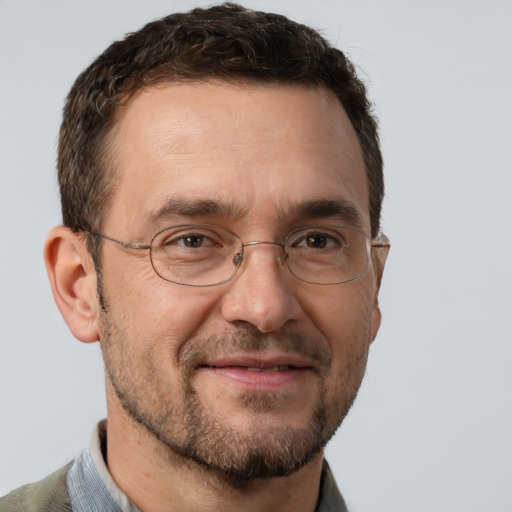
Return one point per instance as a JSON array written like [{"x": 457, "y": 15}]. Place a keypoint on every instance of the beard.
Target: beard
[{"x": 185, "y": 425}]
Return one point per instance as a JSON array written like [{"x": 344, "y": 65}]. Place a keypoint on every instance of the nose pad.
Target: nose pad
[
  {"x": 281, "y": 258},
  {"x": 237, "y": 258},
  {"x": 262, "y": 296}
]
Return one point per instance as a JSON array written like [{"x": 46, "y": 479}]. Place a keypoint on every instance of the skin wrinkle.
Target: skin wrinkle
[
  {"x": 177, "y": 211},
  {"x": 155, "y": 335},
  {"x": 205, "y": 436},
  {"x": 282, "y": 140},
  {"x": 251, "y": 340},
  {"x": 335, "y": 208}
]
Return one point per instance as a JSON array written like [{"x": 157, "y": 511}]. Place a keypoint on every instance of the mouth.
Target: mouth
[
  {"x": 259, "y": 374},
  {"x": 257, "y": 369}
]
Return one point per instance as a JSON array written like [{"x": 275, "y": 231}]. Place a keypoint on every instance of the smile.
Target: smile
[{"x": 258, "y": 375}]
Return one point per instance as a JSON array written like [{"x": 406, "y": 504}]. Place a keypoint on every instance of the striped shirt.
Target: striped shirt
[
  {"x": 92, "y": 489},
  {"x": 90, "y": 485}
]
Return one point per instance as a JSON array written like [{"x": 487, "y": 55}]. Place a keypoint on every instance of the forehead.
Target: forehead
[{"x": 259, "y": 148}]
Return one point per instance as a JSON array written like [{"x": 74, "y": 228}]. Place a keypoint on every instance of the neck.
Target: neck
[{"x": 158, "y": 480}]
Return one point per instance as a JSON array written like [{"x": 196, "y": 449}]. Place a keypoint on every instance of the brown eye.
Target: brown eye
[
  {"x": 317, "y": 241},
  {"x": 193, "y": 241}
]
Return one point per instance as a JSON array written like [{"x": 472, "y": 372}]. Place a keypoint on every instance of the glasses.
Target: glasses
[{"x": 208, "y": 255}]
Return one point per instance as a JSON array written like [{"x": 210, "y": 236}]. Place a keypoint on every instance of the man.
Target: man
[{"x": 221, "y": 185}]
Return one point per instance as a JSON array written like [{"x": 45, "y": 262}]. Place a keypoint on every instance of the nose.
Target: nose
[{"x": 262, "y": 291}]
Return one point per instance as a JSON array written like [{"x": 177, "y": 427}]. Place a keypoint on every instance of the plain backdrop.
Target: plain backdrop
[{"x": 431, "y": 429}]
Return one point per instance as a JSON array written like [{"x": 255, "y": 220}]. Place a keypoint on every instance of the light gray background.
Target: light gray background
[{"x": 432, "y": 427}]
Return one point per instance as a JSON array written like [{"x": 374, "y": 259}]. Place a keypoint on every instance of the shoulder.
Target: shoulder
[
  {"x": 47, "y": 494},
  {"x": 330, "y": 499}
]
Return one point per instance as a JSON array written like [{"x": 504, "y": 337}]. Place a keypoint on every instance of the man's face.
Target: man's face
[{"x": 253, "y": 376}]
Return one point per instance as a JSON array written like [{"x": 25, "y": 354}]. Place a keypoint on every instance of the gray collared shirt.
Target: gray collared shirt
[{"x": 92, "y": 489}]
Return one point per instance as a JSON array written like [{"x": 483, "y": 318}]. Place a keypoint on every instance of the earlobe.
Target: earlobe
[
  {"x": 375, "y": 321},
  {"x": 379, "y": 257},
  {"x": 73, "y": 281}
]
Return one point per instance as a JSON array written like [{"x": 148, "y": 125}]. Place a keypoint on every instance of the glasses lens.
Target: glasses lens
[
  {"x": 195, "y": 255},
  {"x": 327, "y": 254}
]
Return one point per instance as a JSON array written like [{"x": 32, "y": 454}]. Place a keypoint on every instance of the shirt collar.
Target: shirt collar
[{"x": 91, "y": 486}]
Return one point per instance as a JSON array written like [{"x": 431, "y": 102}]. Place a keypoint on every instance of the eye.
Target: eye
[
  {"x": 192, "y": 241},
  {"x": 318, "y": 240},
  {"x": 195, "y": 240}
]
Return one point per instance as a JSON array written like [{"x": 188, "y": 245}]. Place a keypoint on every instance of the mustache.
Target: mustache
[{"x": 249, "y": 339}]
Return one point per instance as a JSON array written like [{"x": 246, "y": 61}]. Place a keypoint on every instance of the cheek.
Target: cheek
[
  {"x": 341, "y": 312},
  {"x": 344, "y": 317},
  {"x": 153, "y": 311}
]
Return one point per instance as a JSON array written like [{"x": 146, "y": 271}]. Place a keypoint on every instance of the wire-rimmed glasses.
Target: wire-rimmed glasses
[{"x": 208, "y": 255}]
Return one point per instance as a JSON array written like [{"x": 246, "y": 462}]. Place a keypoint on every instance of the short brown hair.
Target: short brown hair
[{"x": 226, "y": 42}]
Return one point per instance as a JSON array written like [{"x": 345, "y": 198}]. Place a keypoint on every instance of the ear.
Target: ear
[
  {"x": 379, "y": 256},
  {"x": 73, "y": 281}
]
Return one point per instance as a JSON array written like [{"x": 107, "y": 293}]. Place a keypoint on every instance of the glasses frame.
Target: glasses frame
[{"x": 380, "y": 241}]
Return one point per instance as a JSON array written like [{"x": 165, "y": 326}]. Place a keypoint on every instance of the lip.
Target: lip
[{"x": 257, "y": 372}]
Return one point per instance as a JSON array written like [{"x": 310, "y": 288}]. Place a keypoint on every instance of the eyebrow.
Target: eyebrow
[
  {"x": 311, "y": 209},
  {"x": 327, "y": 207},
  {"x": 196, "y": 208}
]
